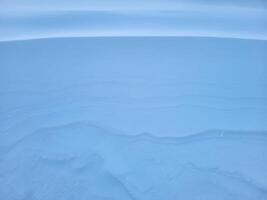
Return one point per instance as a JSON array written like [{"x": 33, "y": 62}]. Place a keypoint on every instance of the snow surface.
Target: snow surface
[
  {"x": 83, "y": 161},
  {"x": 205, "y": 21},
  {"x": 161, "y": 100}
]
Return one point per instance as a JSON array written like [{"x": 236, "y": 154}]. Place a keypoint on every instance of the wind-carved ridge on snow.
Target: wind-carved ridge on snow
[
  {"x": 101, "y": 133},
  {"x": 85, "y": 153}
]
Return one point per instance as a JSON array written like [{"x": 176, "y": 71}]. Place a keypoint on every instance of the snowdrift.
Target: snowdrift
[{"x": 112, "y": 100}]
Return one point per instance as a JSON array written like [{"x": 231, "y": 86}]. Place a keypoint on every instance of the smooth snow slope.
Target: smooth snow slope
[
  {"x": 111, "y": 100},
  {"x": 79, "y": 119},
  {"x": 165, "y": 86}
]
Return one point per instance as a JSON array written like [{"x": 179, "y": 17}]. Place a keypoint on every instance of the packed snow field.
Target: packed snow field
[
  {"x": 113, "y": 118},
  {"x": 161, "y": 102}
]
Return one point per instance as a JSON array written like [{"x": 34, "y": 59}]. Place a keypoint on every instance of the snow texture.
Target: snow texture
[{"x": 161, "y": 100}]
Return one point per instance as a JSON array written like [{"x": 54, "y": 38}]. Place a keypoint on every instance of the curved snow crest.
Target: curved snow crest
[
  {"x": 229, "y": 23},
  {"x": 84, "y": 161},
  {"x": 96, "y": 133}
]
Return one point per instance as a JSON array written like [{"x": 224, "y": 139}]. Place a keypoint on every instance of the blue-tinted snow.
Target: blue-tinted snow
[
  {"x": 205, "y": 21},
  {"x": 115, "y": 100},
  {"x": 84, "y": 161},
  {"x": 165, "y": 86}
]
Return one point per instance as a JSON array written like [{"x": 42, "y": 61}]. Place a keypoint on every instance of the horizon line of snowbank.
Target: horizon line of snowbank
[{"x": 56, "y": 37}]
